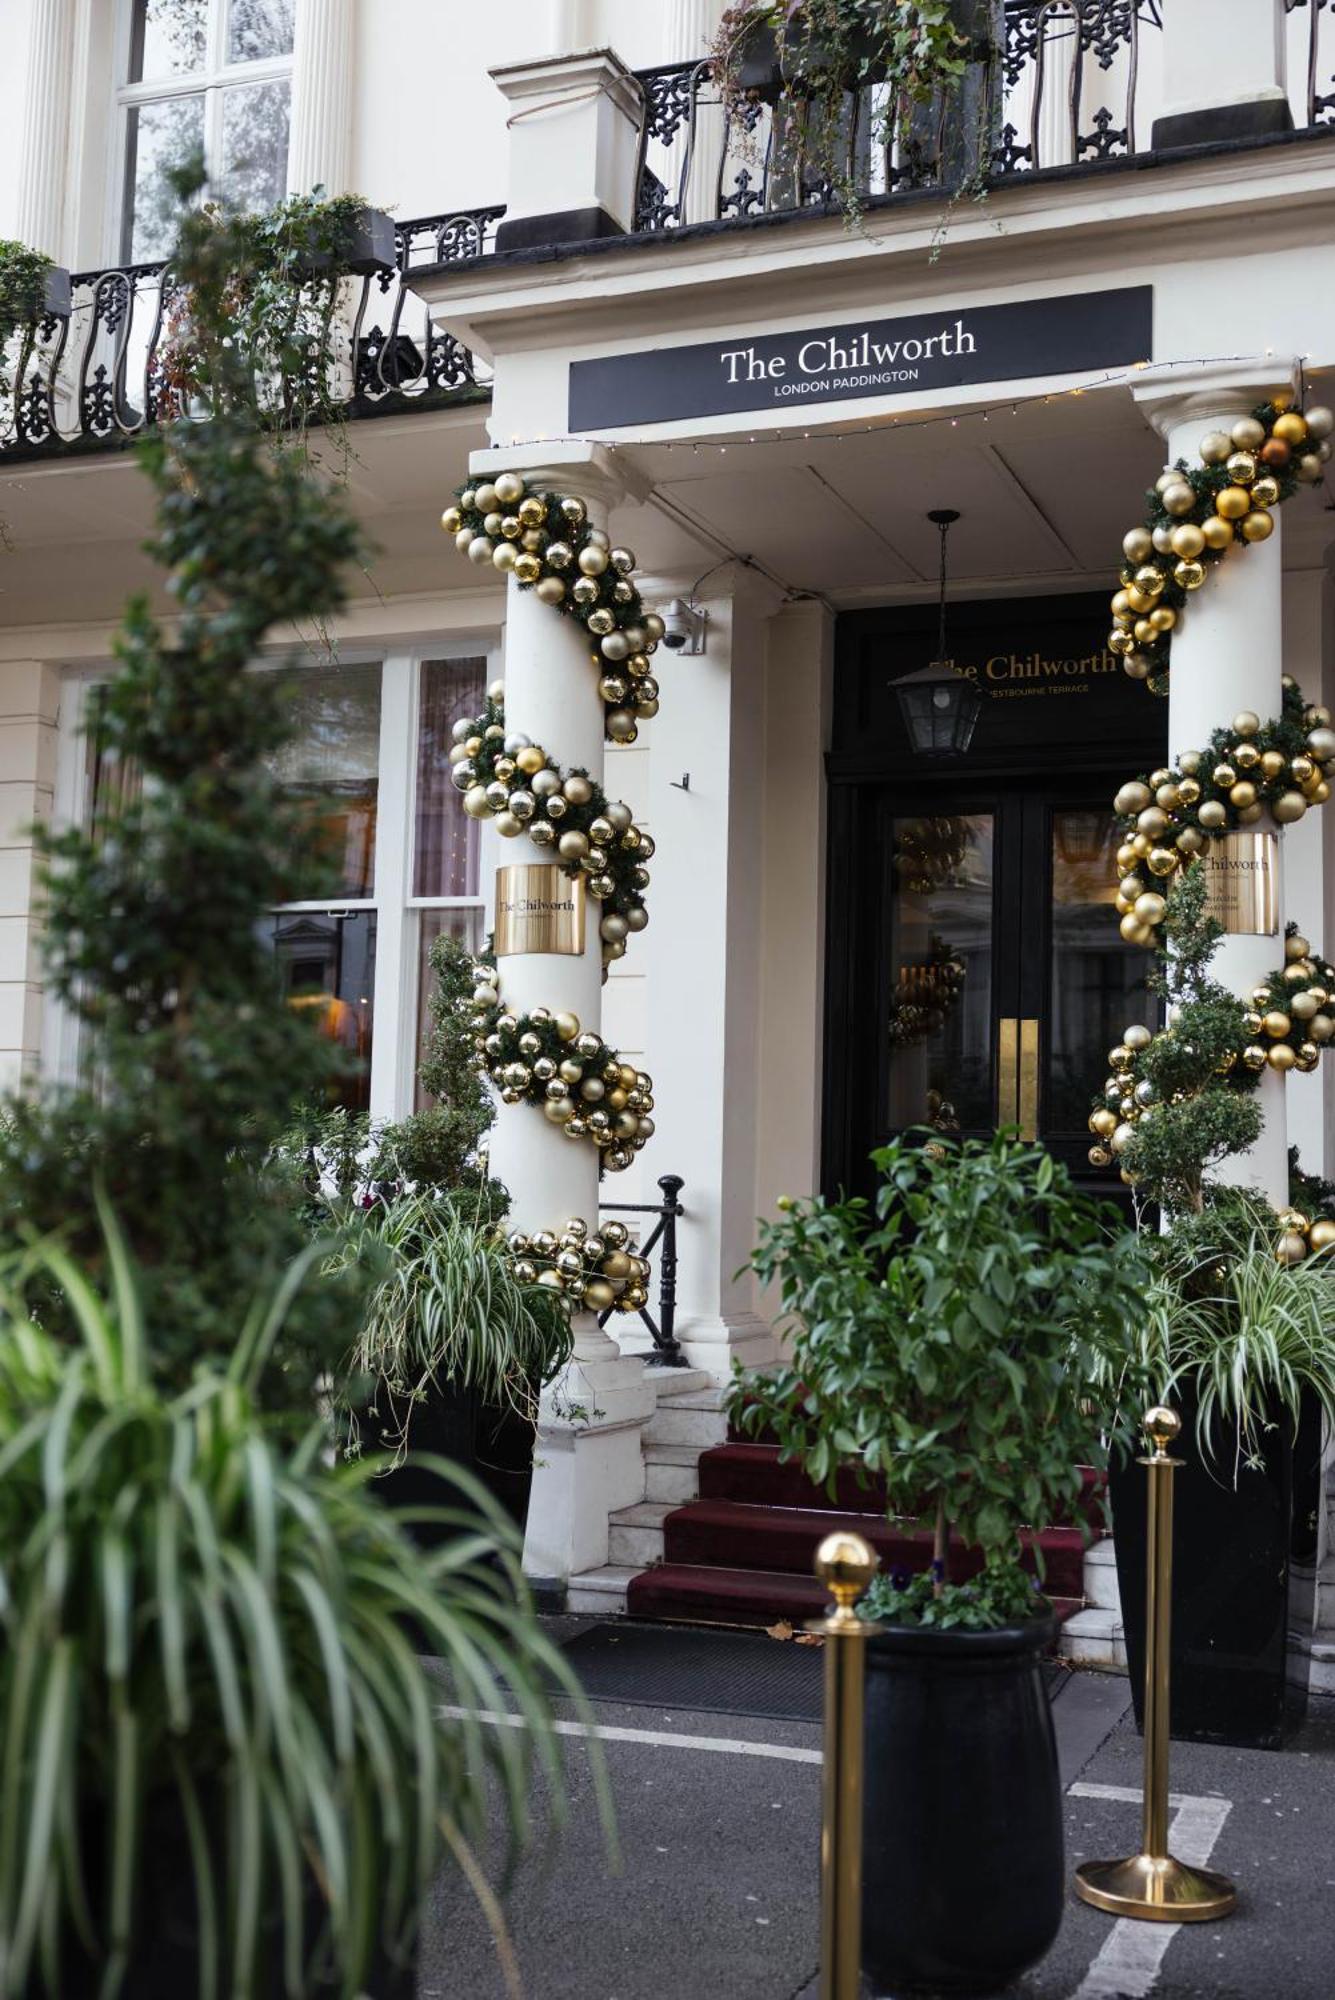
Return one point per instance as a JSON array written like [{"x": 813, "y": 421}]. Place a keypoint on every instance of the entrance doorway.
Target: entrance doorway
[{"x": 976, "y": 975}]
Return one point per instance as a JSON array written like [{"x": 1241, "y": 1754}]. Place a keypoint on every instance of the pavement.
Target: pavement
[{"x": 715, "y": 1891}]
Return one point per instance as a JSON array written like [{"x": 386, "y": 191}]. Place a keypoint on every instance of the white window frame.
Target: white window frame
[
  {"x": 208, "y": 82},
  {"x": 398, "y": 912}
]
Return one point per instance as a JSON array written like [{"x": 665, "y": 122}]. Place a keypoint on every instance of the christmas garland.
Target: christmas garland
[
  {"x": 510, "y": 780},
  {"x": 1195, "y": 515},
  {"x": 1249, "y": 771},
  {"x": 577, "y": 1080},
  {"x": 595, "y": 1269},
  {"x": 544, "y": 540}
]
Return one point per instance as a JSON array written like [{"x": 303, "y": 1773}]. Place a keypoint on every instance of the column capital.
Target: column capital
[
  {"x": 1212, "y": 389},
  {"x": 598, "y": 473}
]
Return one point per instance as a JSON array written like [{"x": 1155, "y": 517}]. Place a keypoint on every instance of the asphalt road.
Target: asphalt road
[{"x": 716, "y": 1888}]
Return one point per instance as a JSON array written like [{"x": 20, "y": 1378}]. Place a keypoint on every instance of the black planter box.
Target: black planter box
[
  {"x": 367, "y": 247},
  {"x": 494, "y": 1444},
  {"x": 1231, "y": 1586},
  {"x": 57, "y": 299},
  {"x": 963, "y": 1873}
]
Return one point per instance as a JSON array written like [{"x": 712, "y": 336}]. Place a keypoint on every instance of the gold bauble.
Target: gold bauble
[
  {"x": 1163, "y": 618},
  {"x": 476, "y": 803},
  {"x": 574, "y": 511},
  {"x": 1243, "y": 794},
  {"x": 1168, "y": 796},
  {"x": 1291, "y": 1247},
  {"x": 1152, "y": 821},
  {"x": 1241, "y": 468},
  {"x": 1303, "y": 769},
  {"x": 1137, "y": 544},
  {"x": 1162, "y": 538},
  {"x": 1321, "y": 793},
  {"x": 1277, "y": 1024},
  {"x": 1321, "y": 743},
  {"x": 529, "y": 759},
  {"x": 1150, "y": 908},
  {"x": 1218, "y": 533},
  {"x": 1121, "y": 606},
  {"x": 1122, "y": 1137},
  {"x": 1215, "y": 447},
  {"x": 531, "y": 512},
  {"x": 509, "y": 488},
  {"x": 1321, "y": 1235},
  {"x": 1178, "y": 498},
  {"x": 509, "y": 525},
  {"x": 601, "y": 622},
  {"x": 1281, "y": 1057},
  {"x": 1134, "y": 931},
  {"x": 1254, "y": 1056},
  {"x": 1321, "y": 1027},
  {"x": 1224, "y": 775},
  {"x": 1137, "y": 1037},
  {"x": 1258, "y": 526},
  {"x": 1309, "y": 1055},
  {"x": 504, "y": 556},
  {"x": 1291, "y": 427},
  {"x": 1189, "y": 575},
  {"x": 1145, "y": 632},
  {"x": 1191, "y": 840},
  {"x": 1272, "y": 763},
  {"x": 1162, "y": 861},
  {"x": 1247, "y": 434},
  {"x": 451, "y": 520},
  {"x": 485, "y": 499},
  {"x": 1149, "y": 579},
  {"x": 592, "y": 560},
  {"x": 1303, "y": 1006},
  {"x": 1232, "y": 502},
  {"x": 1288, "y": 807},
  {"x": 1099, "y": 1156},
  {"x": 1188, "y": 791},
  {"x": 1213, "y": 815},
  {"x": 1104, "y": 1122},
  {"x": 1140, "y": 847},
  {"x": 1132, "y": 798},
  {"x": 1246, "y": 756},
  {"x": 1120, "y": 642},
  {"x": 1265, "y": 492},
  {"x": 528, "y": 567},
  {"x": 1296, "y": 946},
  {"x": 1187, "y": 539},
  {"x": 551, "y": 589},
  {"x": 1320, "y": 421},
  {"x": 1309, "y": 468},
  {"x": 1249, "y": 815}
]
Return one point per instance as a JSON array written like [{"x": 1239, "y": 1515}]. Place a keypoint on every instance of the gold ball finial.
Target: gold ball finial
[
  {"x": 1162, "y": 1425},
  {"x": 845, "y": 1565}
]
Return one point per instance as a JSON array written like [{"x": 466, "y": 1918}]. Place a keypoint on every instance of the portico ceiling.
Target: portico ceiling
[{"x": 1044, "y": 491}]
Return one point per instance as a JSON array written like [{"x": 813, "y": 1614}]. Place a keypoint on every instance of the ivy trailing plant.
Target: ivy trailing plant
[
  {"x": 23, "y": 275},
  {"x": 286, "y": 269},
  {"x": 823, "y": 53},
  {"x": 153, "y": 941},
  {"x": 943, "y": 1342}
]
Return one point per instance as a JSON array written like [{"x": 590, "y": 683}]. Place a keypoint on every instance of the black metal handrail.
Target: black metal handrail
[
  {"x": 1058, "y": 83},
  {"x": 96, "y": 380},
  {"x": 667, "y": 1348}
]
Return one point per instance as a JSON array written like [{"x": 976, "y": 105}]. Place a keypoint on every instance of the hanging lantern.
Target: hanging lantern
[{"x": 940, "y": 705}]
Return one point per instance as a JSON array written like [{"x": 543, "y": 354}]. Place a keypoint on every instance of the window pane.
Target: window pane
[
  {"x": 940, "y": 1016},
  {"x": 334, "y": 761},
  {"x": 1098, "y": 982},
  {"x": 465, "y": 924},
  {"x": 168, "y": 38},
  {"x": 446, "y": 861},
  {"x": 327, "y": 971},
  {"x": 253, "y": 169},
  {"x": 259, "y": 28},
  {"x": 159, "y": 137}
]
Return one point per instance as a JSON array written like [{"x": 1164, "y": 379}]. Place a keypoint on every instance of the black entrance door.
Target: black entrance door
[{"x": 975, "y": 973}]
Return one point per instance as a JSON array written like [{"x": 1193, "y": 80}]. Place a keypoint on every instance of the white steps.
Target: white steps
[
  {"x": 696, "y": 1417},
  {"x": 670, "y": 1475},
  {"x": 1094, "y": 1636},
  {"x": 635, "y": 1534},
  {"x": 601, "y": 1593}
]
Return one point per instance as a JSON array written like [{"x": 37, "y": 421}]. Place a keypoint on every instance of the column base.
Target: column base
[
  {"x": 571, "y": 225},
  {"x": 714, "y": 1344},
  {"x": 587, "y": 1462},
  {"x": 1216, "y": 124}
]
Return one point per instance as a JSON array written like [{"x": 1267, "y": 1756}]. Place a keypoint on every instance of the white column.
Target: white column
[
  {"x": 1222, "y": 78},
  {"x": 588, "y": 1460},
  {"x": 705, "y": 941},
  {"x": 29, "y": 712},
  {"x": 320, "y": 150},
  {"x": 1228, "y": 657},
  {"x": 46, "y": 116}
]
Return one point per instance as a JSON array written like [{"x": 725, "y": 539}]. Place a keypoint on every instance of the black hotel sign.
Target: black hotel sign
[{"x": 1074, "y": 334}]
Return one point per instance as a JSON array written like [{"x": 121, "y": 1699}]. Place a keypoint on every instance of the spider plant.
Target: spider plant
[
  {"x": 205, "y": 1667},
  {"x": 450, "y": 1311}
]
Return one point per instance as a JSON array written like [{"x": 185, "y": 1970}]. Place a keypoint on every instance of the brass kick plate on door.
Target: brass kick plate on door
[
  {"x": 1008, "y": 1071},
  {"x": 1027, "y": 1096}
]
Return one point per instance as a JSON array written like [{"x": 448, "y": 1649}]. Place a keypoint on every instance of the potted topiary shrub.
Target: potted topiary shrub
[
  {"x": 1238, "y": 1337},
  {"x": 231, "y": 1773},
  {"x": 942, "y": 1341}
]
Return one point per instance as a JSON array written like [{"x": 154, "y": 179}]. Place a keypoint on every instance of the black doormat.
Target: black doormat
[{"x": 718, "y": 1673}]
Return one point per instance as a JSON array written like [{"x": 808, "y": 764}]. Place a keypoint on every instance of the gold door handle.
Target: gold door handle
[
  {"x": 1027, "y": 1093},
  {"x": 1008, "y": 1071}
]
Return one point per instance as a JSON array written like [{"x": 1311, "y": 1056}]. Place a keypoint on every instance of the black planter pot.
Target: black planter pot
[
  {"x": 1231, "y": 1552},
  {"x": 494, "y": 1444},
  {"x": 57, "y": 297},
  {"x": 963, "y": 1861},
  {"x": 365, "y": 248}
]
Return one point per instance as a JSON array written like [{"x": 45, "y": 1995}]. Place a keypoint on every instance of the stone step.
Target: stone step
[
  {"x": 672, "y": 1383},
  {"x": 685, "y": 1420},
  {"x": 635, "y": 1534},
  {"x": 671, "y": 1473},
  {"x": 1094, "y": 1638},
  {"x": 1101, "y": 1588},
  {"x": 601, "y": 1592}
]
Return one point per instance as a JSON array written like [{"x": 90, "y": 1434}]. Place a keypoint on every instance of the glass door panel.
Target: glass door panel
[
  {"x": 1096, "y": 982},
  {"x": 939, "y": 1028}
]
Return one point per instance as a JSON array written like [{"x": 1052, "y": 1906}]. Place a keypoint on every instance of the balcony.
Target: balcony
[
  {"x": 94, "y": 382},
  {"x": 1071, "y": 87}
]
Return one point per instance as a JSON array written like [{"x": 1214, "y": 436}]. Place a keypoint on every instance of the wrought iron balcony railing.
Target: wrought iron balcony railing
[
  {"x": 95, "y": 380},
  {"x": 1065, "y": 86}
]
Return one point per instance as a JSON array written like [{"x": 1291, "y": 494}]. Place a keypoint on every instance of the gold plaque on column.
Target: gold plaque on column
[
  {"x": 539, "y": 908},
  {"x": 1241, "y": 881}
]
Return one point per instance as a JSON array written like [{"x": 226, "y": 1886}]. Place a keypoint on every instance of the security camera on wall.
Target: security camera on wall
[{"x": 683, "y": 626}]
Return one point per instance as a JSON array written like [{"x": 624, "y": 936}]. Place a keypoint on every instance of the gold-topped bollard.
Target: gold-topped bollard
[
  {"x": 846, "y": 1565},
  {"x": 1153, "y": 1885}
]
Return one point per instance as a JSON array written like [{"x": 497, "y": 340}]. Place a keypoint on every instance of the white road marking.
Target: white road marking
[
  {"x": 663, "y": 1739},
  {"x": 1131, "y": 1955}
]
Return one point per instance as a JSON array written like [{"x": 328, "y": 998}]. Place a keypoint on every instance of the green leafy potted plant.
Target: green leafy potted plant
[
  {"x": 819, "y": 54},
  {"x": 1236, "y": 1338},
  {"x": 943, "y": 1342},
  {"x": 230, "y": 1772}
]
